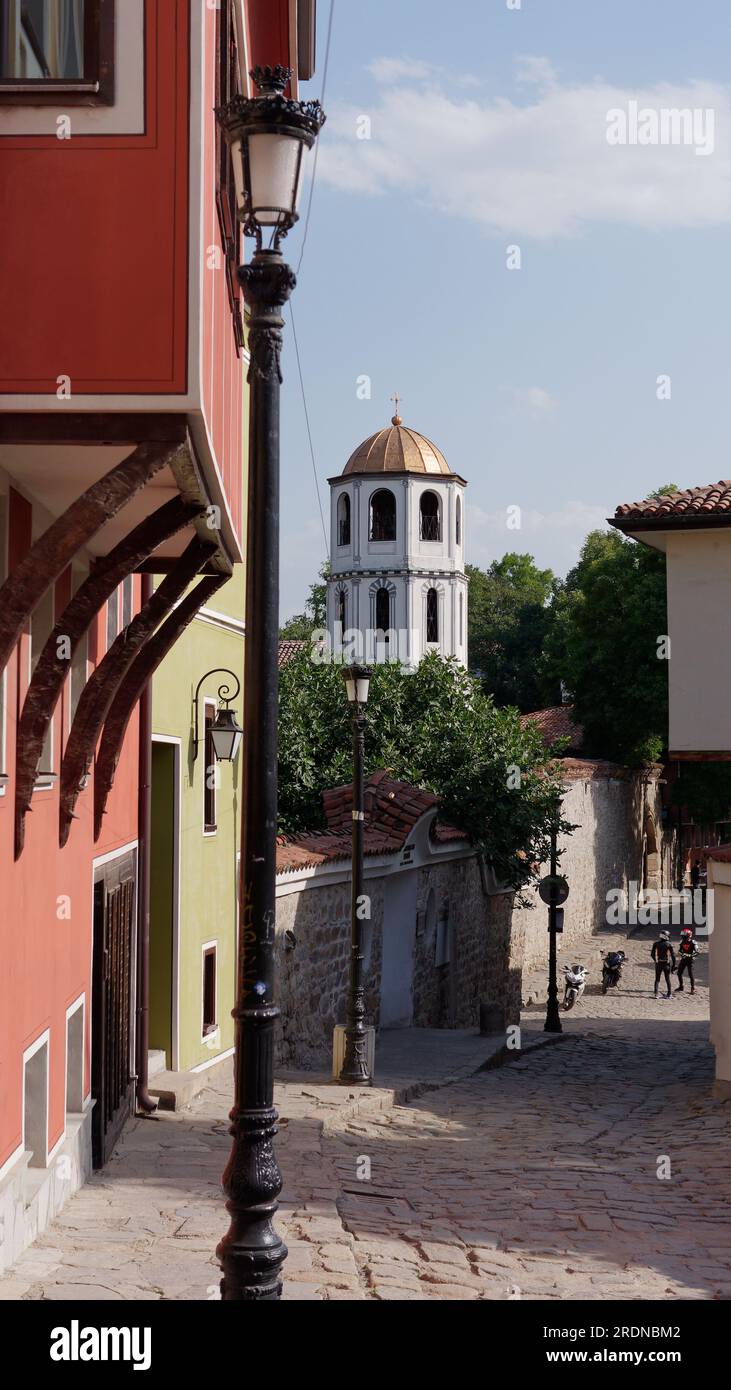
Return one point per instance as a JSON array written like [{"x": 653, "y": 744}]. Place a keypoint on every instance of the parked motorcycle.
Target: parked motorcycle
[
  {"x": 575, "y": 981},
  {"x": 612, "y": 969}
]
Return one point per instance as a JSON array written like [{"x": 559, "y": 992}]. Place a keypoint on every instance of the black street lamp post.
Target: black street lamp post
[
  {"x": 266, "y": 135},
  {"x": 554, "y": 891},
  {"x": 354, "y": 1071}
]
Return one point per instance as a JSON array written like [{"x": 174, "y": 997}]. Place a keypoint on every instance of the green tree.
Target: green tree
[
  {"x": 704, "y": 789},
  {"x": 434, "y": 728},
  {"x": 603, "y": 646},
  {"x": 510, "y": 617},
  {"x": 302, "y": 625}
]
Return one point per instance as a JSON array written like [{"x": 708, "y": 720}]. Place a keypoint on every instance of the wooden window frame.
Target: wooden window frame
[
  {"x": 210, "y": 827},
  {"x": 228, "y": 84},
  {"x": 208, "y": 983},
  {"x": 96, "y": 88}
]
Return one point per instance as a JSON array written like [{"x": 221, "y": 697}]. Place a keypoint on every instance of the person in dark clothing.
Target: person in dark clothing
[
  {"x": 664, "y": 958},
  {"x": 695, "y": 874},
  {"x": 687, "y": 952}
]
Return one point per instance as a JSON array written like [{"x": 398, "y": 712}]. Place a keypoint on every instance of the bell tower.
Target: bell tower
[{"x": 398, "y": 587}]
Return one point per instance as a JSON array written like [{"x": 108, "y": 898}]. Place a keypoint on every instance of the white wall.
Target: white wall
[
  {"x": 719, "y": 969},
  {"x": 699, "y": 619}
]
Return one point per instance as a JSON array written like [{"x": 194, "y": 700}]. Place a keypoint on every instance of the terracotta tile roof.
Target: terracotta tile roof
[
  {"x": 392, "y": 810},
  {"x": 288, "y": 648},
  {"x": 554, "y": 723},
  {"x": 692, "y": 505},
  {"x": 721, "y": 853}
]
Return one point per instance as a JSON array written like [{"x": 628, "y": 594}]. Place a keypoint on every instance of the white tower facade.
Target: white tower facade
[{"x": 398, "y": 587}]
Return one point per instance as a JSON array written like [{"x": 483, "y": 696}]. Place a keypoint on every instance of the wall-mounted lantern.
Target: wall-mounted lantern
[{"x": 226, "y": 733}]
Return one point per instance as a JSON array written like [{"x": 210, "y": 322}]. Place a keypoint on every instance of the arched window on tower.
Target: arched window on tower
[
  {"x": 383, "y": 516},
  {"x": 430, "y": 517},
  {"x": 343, "y": 519},
  {"x": 383, "y": 614},
  {"x": 342, "y": 609},
  {"x": 432, "y": 616},
  {"x": 458, "y": 527}
]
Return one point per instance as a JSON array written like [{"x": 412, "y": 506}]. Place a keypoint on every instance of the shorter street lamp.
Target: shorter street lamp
[
  {"x": 554, "y": 891},
  {"x": 354, "y": 1071},
  {"x": 226, "y": 734}
]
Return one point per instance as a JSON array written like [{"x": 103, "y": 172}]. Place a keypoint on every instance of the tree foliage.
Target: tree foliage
[
  {"x": 434, "y": 728},
  {"x": 302, "y": 625},
  {"x": 509, "y": 618},
  {"x": 603, "y": 646},
  {"x": 704, "y": 789}
]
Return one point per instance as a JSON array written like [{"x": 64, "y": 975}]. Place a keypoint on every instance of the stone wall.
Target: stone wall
[
  {"x": 452, "y": 901},
  {"x": 611, "y": 807},
  {"x": 312, "y": 974},
  {"x": 470, "y": 943}
]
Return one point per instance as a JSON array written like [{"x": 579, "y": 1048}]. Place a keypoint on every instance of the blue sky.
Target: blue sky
[{"x": 488, "y": 129}]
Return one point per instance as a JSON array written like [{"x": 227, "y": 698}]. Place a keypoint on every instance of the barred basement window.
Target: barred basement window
[{"x": 56, "y": 48}]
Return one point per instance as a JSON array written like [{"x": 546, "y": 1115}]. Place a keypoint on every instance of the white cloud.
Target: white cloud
[
  {"x": 535, "y": 399},
  {"x": 536, "y": 166},
  {"x": 400, "y": 70}
]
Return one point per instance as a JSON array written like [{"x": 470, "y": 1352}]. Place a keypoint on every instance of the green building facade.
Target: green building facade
[{"x": 195, "y": 842}]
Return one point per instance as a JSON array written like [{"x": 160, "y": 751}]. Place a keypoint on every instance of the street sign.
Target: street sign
[
  {"x": 557, "y": 920},
  {"x": 553, "y": 889}
]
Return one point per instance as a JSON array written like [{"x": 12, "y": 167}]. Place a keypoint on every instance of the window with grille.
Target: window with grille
[
  {"x": 127, "y": 600},
  {"x": 383, "y": 516},
  {"x": 430, "y": 520},
  {"x": 344, "y": 519},
  {"x": 342, "y": 609},
  {"x": 112, "y": 617},
  {"x": 383, "y": 613},
  {"x": 432, "y": 616},
  {"x": 41, "y": 627}
]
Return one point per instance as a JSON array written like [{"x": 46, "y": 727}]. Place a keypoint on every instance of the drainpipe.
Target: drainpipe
[{"x": 145, "y": 1101}]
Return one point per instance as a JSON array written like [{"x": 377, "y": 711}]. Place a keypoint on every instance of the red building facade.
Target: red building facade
[{"x": 122, "y": 441}]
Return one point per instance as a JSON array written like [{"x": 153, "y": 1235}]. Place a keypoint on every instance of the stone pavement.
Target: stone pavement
[{"x": 543, "y": 1179}]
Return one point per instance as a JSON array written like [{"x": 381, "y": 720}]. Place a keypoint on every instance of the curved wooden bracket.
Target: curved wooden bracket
[
  {"x": 51, "y": 669},
  {"x": 140, "y": 672},
  {"x": 102, "y": 686},
  {"x": 69, "y": 533}
]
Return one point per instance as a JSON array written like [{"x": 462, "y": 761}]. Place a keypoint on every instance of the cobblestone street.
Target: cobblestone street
[{"x": 542, "y": 1179}]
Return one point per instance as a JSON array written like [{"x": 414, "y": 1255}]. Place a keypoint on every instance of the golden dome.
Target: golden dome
[{"x": 397, "y": 449}]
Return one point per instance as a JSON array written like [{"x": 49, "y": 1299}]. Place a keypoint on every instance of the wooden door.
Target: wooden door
[{"x": 112, "y": 1080}]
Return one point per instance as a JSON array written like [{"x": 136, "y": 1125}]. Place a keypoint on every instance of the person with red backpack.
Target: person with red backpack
[{"x": 687, "y": 952}]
